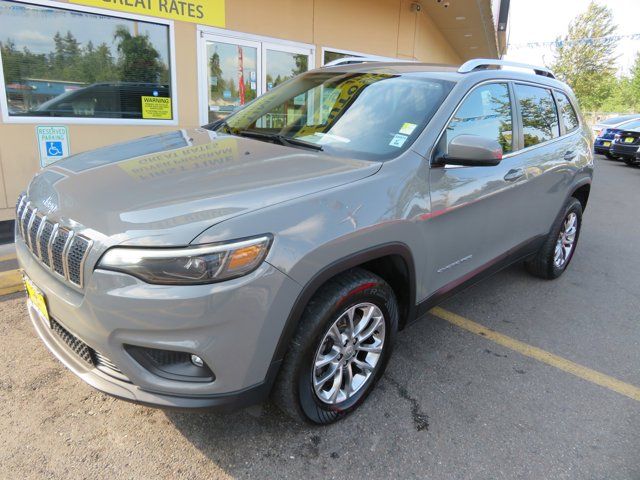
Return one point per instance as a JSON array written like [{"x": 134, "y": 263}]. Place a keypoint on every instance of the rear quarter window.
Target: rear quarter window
[
  {"x": 539, "y": 114},
  {"x": 567, "y": 113}
]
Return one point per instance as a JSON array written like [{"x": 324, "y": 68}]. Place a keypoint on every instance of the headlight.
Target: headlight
[{"x": 190, "y": 265}]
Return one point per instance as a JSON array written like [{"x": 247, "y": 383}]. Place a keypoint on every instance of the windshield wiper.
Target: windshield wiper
[
  {"x": 281, "y": 139},
  {"x": 218, "y": 125}
]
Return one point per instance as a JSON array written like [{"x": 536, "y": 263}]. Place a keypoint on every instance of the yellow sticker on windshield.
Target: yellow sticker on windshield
[{"x": 407, "y": 128}]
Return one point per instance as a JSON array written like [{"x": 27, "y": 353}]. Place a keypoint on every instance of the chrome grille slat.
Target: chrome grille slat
[
  {"x": 65, "y": 254},
  {"x": 32, "y": 217},
  {"x": 58, "y": 248},
  {"x": 24, "y": 218},
  {"x": 45, "y": 238},
  {"x": 34, "y": 227},
  {"x": 38, "y": 250},
  {"x": 75, "y": 258}
]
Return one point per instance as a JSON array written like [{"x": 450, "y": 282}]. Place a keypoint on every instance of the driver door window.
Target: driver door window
[{"x": 485, "y": 112}]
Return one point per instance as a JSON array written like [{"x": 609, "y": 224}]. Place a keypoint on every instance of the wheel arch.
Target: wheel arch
[
  {"x": 391, "y": 261},
  {"x": 581, "y": 192}
]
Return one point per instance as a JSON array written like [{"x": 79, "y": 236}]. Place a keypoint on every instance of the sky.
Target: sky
[{"x": 545, "y": 20}]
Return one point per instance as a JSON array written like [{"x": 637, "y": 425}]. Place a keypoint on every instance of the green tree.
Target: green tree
[
  {"x": 139, "y": 61},
  {"x": 634, "y": 81},
  {"x": 584, "y": 57},
  {"x": 216, "y": 72}
]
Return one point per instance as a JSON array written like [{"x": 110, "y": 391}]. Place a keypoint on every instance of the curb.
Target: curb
[{"x": 10, "y": 282}]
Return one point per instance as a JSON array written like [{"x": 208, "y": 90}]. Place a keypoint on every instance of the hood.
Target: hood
[{"x": 166, "y": 189}]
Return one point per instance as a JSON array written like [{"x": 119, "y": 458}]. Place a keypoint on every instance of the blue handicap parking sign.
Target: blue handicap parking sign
[{"x": 54, "y": 149}]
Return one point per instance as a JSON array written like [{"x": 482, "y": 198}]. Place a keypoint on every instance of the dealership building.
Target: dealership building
[{"x": 82, "y": 74}]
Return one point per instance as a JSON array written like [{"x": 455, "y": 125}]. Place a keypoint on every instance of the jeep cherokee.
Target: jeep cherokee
[{"x": 278, "y": 252}]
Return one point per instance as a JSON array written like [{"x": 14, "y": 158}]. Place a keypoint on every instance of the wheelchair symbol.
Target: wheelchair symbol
[{"x": 54, "y": 149}]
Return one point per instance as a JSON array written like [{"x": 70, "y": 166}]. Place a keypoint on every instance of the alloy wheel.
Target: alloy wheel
[
  {"x": 349, "y": 353},
  {"x": 566, "y": 240}
]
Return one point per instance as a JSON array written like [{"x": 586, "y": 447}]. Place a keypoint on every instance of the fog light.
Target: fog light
[
  {"x": 173, "y": 365},
  {"x": 197, "y": 361}
]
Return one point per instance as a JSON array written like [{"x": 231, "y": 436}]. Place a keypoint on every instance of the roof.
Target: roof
[{"x": 483, "y": 68}]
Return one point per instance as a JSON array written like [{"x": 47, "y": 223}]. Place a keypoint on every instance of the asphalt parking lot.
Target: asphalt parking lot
[{"x": 453, "y": 404}]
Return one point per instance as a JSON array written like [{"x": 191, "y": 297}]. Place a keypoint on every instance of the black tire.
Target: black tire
[
  {"x": 542, "y": 264},
  {"x": 293, "y": 392},
  {"x": 632, "y": 162},
  {"x": 610, "y": 156}
]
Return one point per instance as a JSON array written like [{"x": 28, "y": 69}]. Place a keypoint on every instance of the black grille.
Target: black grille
[
  {"x": 47, "y": 230},
  {"x": 57, "y": 248},
  {"x": 40, "y": 238},
  {"x": 74, "y": 343},
  {"x": 77, "y": 252},
  {"x": 33, "y": 233}
]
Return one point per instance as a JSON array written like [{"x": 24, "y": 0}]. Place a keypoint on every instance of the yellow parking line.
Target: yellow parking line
[
  {"x": 543, "y": 356},
  {"x": 7, "y": 258},
  {"x": 10, "y": 282}
]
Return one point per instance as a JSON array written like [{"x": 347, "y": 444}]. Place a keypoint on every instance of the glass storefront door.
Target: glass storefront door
[
  {"x": 280, "y": 63},
  {"x": 238, "y": 70},
  {"x": 232, "y": 75}
]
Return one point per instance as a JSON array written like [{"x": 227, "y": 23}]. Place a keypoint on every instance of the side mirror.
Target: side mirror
[{"x": 472, "y": 151}]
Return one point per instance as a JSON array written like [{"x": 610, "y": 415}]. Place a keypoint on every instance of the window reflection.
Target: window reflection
[
  {"x": 79, "y": 64},
  {"x": 539, "y": 116},
  {"x": 232, "y": 77},
  {"x": 486, "y": 112}
]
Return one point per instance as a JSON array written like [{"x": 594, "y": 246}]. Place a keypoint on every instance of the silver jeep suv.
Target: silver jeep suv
[{"x": 279, "y": 251}]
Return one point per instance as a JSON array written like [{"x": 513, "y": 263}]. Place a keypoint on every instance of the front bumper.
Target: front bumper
[
  {"x": 233, "y": 326},
  {"x": 624, "y": 151}
]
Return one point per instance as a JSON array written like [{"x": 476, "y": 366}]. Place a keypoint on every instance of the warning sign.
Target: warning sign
[{"x": 158, "y": 108}]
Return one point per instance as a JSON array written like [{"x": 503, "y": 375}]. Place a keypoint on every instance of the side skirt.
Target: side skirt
[{"x": 516, "y": 254}]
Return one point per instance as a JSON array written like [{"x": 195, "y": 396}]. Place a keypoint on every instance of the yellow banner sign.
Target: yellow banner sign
[
  {"x": 205, "y": 12},
  {"x": 158, "y": 108}
]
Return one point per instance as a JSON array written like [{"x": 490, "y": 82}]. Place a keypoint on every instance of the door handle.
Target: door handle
[
  {"x": 570, "y": 155},
  {"x": 514, "y": 174}
]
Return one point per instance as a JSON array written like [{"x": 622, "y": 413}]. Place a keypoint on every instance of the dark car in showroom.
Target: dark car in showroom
[
  {"x": 625, "y": 145},
  {"x": 605, "y": 137},
  {"x": 104, "y": 100}
]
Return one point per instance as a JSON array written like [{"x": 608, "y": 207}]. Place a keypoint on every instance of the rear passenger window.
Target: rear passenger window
[
  {"x": 486, "y": 112},
  {"x": 539, "y": 115},
  {"x": 567, "y": 113}
]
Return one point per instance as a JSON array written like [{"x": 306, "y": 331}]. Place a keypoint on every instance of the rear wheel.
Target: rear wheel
[
  {"x": 340, "y": 349},
  {"x": 558, "y": 249}
]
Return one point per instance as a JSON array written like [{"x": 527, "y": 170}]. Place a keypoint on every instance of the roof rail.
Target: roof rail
[
  {"x": 351, "y": 60},
  {"x": 485, "y": 63}
]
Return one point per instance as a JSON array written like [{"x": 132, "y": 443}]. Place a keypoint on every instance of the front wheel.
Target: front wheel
[
  {"x": 557, "y": 251},
  {"x": 610, "y": 156},
  {"x": 340, "y": 349}
]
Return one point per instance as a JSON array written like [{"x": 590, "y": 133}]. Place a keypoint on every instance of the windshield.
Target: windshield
[{"x": 373, "y": 115}]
